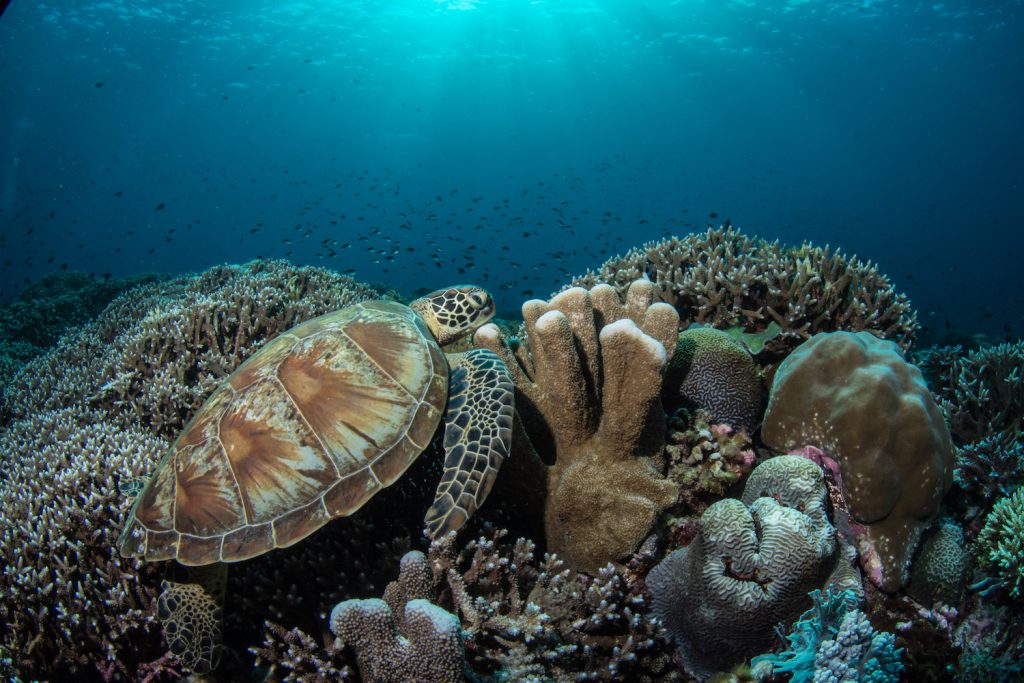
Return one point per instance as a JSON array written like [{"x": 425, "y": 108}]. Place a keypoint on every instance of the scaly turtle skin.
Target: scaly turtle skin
[{"x": 311, "y": 427}]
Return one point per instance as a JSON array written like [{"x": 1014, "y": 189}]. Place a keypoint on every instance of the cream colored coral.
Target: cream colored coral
[{"x": 588, "y": 380}]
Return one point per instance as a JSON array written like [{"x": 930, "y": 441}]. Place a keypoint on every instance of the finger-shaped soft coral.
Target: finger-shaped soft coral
[
  {"x": 428, "y": 649},
  {"x": 855, "y": 397},
  {"x": 588, "y": 379}
]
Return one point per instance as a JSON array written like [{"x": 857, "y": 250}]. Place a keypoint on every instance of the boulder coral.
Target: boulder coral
[
  {"x": 711, "y": 370},
  {"x": 724, "y": 278},
  {"x": 588, "y": 377},
  {"x": 854, "y": 396},
  {"x": 749, "y": 568}
]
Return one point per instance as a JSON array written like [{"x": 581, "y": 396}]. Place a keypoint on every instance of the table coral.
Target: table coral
[
  {"x": 855, "y": 397},
  {"x": 724, "y": 278},
  {"x": 750, "y": 567},
  {"x": 587, "y": 378}
]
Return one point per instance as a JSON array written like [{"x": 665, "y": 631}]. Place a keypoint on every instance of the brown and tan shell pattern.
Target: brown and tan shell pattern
[{"x": 308, "y": 429}]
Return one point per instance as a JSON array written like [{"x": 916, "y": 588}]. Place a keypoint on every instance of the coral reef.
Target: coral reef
[
  {"x": 750, "y": 567},
  {"x": 855, "y": 397},
  {"x": 48, "y": 308},
  {"x": 981, "y": 393},
  {"x": 705, "y": 458},
  {"x": 520, "y": 619},
  {"x": 587, "y": 378},
  {"x": 940, "y": 570},
  {"x": 428, "y": 648},
  {"x": 1001, "y": 543},
  {"x": 724, "y": 278},
  {"x": 94, "y": 414},
  {"x": 833, "y": 642},
  {"x": 713, "y": 371}
]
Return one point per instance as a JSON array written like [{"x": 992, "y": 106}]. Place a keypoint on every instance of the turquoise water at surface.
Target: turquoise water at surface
[{"x": 515, "y": 143}]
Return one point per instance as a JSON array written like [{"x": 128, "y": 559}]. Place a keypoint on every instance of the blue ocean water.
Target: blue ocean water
[{"x": 514, "y": 143}]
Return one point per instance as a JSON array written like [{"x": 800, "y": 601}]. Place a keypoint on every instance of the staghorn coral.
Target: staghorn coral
[
  {"x": 980, "y": 392},
  {"x": 990, "y": 468},
  {"x": 71, "y": 603},
  {"x": 750, "y": 567},
  {"x": 156, "y": 352},
  {"x": 854, "y": 397},
  {"x": 724, "y": 278},
  {"x": 521, "y": 619},
  {"x": 92, "y": 415},
  {"x": 428, "y": 648},
  {"x": 713, "y": 371},
  {"x": 587, "y": 380},
  {"x": 705, "y": 458},
  {"x": 834, "y": 642},
  {"x": 941, "y": 568},
  {"x": 1001, "y": 543}
]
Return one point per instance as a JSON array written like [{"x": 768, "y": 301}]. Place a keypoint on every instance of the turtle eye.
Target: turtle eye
[{"x": 479, "y": 301}]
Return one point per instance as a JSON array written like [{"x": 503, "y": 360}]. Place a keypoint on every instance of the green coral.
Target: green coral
[
  {"x": 833, "y": 642},
  {"x": 1002, "y": 543}
]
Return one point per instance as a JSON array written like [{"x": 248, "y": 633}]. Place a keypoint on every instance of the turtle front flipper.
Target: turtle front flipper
[
  {"x": 192, "y": 615},
  {"x": 477, "y": 437}
]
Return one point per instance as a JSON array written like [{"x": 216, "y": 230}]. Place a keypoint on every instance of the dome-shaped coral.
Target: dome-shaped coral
[{"x": 855, "y": 397}]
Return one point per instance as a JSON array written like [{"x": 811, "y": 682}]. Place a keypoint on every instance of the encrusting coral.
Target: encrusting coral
[
  {"x": 724, "y": 278},
  {"x": 93, "y": 415},
  {"x": 588, "y": 377},
  {"x": 939, "y": 573},
  {"x": 749, "y": 568},
  {"x": 854, "y": 396},
  {"x": 713, "y": 371}
]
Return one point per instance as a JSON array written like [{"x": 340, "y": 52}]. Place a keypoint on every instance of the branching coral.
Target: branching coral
[
  {"x": 588, "y": 378},
  {"x": 834, "y": 642},
  {"x": 854, "y": 397},
  {"x": 724, "y": 278},
  {"x": 705, "y": 458},
  {"x": 750, "y": 567},
  {"x": 92, "y": 414},
  {"x": 1001, "y": 543},
  {"x": 981, "y": 392}
]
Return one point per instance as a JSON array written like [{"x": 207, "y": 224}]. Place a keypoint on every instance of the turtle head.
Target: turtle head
[{"x": 454, "y": 312}]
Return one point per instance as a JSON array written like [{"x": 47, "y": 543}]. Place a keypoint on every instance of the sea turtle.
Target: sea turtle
[{"x": 311, "y": 427}]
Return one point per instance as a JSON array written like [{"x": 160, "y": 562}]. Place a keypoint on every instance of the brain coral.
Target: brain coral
[
  {"x": 940, "y": 569},
  {"x": 750, "y": 567},
  {"x": 855, "y": 397},
  {"x": 713, "y": 371},
  {"x": 724, "y": 278}
]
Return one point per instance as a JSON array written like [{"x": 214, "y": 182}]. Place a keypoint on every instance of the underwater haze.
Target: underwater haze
[{"x": 514, "y": 143}]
